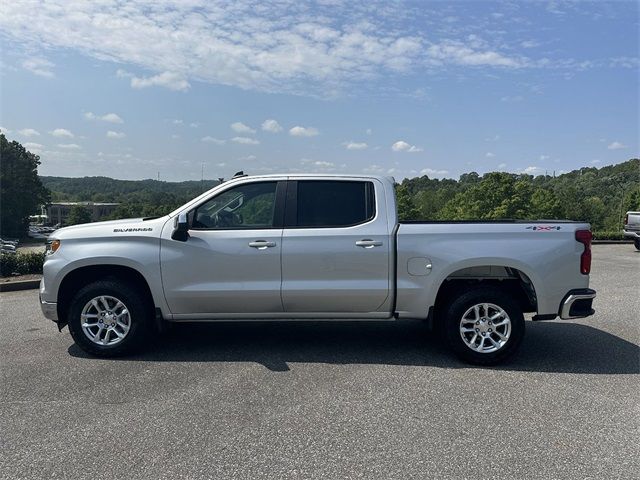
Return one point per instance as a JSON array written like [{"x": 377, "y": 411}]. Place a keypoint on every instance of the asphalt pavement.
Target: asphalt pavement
[{"x": 327, "y": 399}]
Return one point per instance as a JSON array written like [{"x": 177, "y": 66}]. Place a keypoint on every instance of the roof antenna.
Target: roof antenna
[{"x": 239, "y": 174}]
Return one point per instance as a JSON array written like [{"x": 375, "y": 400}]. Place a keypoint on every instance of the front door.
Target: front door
[{"x": 230, "y": 264}]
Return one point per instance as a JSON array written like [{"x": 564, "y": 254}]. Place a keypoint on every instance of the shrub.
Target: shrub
[
  {"x": 21, "y": 263},
  {"x": 609, "y": 235}
]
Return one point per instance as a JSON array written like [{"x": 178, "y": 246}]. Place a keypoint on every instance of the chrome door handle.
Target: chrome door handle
[
  {"x": 261, "y": 244},
  {"x": 367, "y": 243}
]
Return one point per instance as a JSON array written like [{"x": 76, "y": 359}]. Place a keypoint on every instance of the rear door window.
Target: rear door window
[{"x": 326, "y": 203}]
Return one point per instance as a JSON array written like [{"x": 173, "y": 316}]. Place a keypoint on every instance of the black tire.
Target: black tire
[
  {"x": 461, "y": 304},
  {"x": 140, "y": 314},
  {"x": 636, "y": 243}
]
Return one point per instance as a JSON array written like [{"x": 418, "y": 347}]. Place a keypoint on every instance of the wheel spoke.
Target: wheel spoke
[
  {"x": 503, "y": 322},
  {"x": 105, "y": 303},
  {"x": 481, "y": 345},
  {"x": 94, "y": 302},
  {"x": 467, "y": 330},
  {"x": 89, "y": 325},
  {"x": 476, "y": 309},
  {"x": 496, "y": 316},
  {"x": 502, "y": 337},
  {"x": 120, "y": 335}
]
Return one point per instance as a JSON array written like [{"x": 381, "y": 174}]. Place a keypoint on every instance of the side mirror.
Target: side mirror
[{"x": 181, "y": 230}]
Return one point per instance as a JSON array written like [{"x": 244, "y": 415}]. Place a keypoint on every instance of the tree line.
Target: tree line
[{"x": 599, "y": 196}]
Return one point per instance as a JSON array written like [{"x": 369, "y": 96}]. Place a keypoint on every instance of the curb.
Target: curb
[
  {"x": 20, "y": 285},
  {"x": 612, "y": 242}
]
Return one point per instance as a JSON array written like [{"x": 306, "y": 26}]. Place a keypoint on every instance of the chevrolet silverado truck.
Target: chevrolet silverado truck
[{"x": 314, "y": 247}]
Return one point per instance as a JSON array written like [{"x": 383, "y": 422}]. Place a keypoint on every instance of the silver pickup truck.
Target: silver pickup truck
[{"x": 314, "y": 247}]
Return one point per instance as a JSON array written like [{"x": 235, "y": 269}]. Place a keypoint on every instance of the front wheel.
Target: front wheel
[
  {"x": 108, "y": 318},
  {"x": 484, "y": 326}
]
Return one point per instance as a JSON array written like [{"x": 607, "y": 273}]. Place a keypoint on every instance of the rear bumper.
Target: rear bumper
[
  {"x": 631, "y": 233},
  {"x": 577, "y": 304}
]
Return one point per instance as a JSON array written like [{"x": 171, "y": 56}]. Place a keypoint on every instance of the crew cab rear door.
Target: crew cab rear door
[{"x": 335, "y": 247}]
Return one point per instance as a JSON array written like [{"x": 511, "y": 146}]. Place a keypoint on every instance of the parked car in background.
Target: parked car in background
[{"x": 631, "y": 227}]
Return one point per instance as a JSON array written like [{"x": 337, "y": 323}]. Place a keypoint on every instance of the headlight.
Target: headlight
[{"x": 52, "y": 246}]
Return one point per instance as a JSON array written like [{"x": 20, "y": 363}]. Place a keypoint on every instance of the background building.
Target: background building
[{"x": 58, "y": 212}]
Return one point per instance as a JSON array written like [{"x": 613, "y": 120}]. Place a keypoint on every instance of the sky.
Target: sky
[{"x": 146, "y": 88}]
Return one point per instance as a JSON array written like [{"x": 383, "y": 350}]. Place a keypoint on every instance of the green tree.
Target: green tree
[
  {"x": 78, "y": 214},
  {"x": 21, "y": 192},
  {"x": 407, "y": 209}
]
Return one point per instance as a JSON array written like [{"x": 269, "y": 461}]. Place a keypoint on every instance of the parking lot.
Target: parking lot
[{"x": 328, "y": 400}]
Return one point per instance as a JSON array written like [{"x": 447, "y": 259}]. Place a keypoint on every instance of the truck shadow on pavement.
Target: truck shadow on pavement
[{"x": 278, "y": 346}]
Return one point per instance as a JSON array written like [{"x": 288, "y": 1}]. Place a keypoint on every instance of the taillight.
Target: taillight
[
  {"x": 584, "y": 237},
  {"x": 626, "y": 219}
]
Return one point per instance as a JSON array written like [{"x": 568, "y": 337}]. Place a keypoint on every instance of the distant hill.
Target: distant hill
[
  {"x": 105, "y": 189},
  {"x": 137, "y": 197},
  {"x": 597, "y": 195}
]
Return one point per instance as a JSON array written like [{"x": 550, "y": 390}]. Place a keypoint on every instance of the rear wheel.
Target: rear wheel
[
  {"x": 636, "y": 243},
  {"x": 109, "y": 318},
  {"x": 484, "y": 326}
]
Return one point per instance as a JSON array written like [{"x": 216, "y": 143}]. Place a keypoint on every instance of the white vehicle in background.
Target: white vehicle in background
[
  {"x": 632, "y": 227},
  {"x": 314, "y": 247}
]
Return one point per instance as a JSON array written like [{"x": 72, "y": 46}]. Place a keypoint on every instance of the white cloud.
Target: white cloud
[
  {"x": 194, "y": 124},
  {"x": 271, "y": 125},
  {"x": 616, "y": 146},
  {"x": 402, "y": 146},
  {"x": 351, "y": 145},
  {"x": 33, "y": 147},
  {"x": 245, "y": 140},
  {"x": 210, "y": 139},
  {"x": 286, "y": 47},
  {"x": 108, "y": 117},
  {"x": 303, "y": 131},
  {"x": 594, "y": 162},
  {"x": 5, "y": 130},
  {"x": 533, "y": 170},
  {"x": 502, "y": 166},
  {"x": 240, "y": 127},
  {"x": 177, "y": 121},
  {"x": 320, "y": 163},
  {"x": 69, "y": 146},
  {"x": 489, "y": 154},
  {"x": 544, "y": 157},
  {"x": 433, "y": 172},
  {"x": 368, "y": 131},
  {"x": 459, "y": 53},
  {"x": 112, "y": 134},
  {"x": 29, "y": 132},
  {"x": 171, "y": 80},
  {"x": 61, "y": 132},
  {"x": 38, "y": 66}
]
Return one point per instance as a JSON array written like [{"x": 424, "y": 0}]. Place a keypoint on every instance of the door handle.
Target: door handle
[
  {"x": 261, "y": 244},
  {"x": 368, "y": 243}
]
